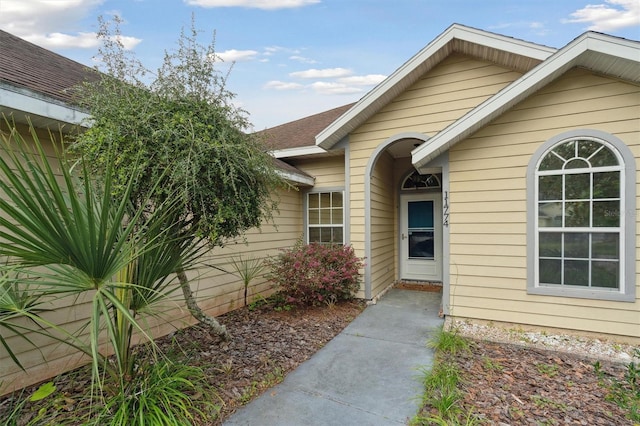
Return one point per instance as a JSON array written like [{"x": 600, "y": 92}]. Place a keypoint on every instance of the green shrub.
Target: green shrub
[
  {"x": 310, "y": 274},
  {"x": 162, "y": 393}
]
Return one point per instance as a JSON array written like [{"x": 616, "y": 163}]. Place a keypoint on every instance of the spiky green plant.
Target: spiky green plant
[
  {"x": 248, "y": 269},
  {"x": 65, "y": 235},
  {"x": 162, "y": 397},
  {"x": 16, "y": 301}
]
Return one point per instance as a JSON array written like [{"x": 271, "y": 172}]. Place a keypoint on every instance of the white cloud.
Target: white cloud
[
  {"x": 363, "y": 80},
  {"x": 283, "y": 85},
  {"x": 611, "y": 16},
  {"x": 22, "y": 17},
  {"x": 323, "y": 73},
  {"x": 59, "y": 40},
  {"x": 234, "y": 55},
  {"x": 302, "y": 59},
  {"x": 272, "y": 50},
  {"x": 254, "y": 4},
  {"x": 40, "y": 21},
  {"x": 339, "y": 82},
  {"x": 329, "y": 88}
]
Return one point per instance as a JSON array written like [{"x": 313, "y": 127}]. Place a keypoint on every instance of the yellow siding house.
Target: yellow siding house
[{"x": 503, "y": 170}]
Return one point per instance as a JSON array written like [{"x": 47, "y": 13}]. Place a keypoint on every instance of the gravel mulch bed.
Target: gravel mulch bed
[{"x": 508, "y": 384}]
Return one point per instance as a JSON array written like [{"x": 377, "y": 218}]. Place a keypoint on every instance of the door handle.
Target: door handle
[{"x": 403, "y": 236}]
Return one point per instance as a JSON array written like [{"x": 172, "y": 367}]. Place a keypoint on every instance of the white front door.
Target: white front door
[{"x": 421, "y": 237}]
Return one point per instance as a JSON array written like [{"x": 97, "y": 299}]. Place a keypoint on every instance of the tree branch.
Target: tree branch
[{"x": 215, "y": 327}]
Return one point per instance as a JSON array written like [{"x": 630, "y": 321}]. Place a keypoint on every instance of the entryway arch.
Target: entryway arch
[{"x": 396, "y": 146}]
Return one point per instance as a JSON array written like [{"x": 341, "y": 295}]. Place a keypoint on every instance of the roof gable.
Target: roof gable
[
  {"x": 594, "y": 51},
  {"x": 507, "y": 51}
]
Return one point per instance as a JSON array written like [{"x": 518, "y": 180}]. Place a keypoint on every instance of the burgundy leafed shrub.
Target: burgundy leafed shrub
[{"x": 310, "y": 274}]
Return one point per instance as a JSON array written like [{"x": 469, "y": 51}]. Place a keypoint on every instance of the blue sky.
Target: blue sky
[{"x": 293, "y": 58}]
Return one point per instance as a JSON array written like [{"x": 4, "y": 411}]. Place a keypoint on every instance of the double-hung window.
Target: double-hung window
[
  {"x": 325, "y": 217},
  {"x": 579, "y": 221}
]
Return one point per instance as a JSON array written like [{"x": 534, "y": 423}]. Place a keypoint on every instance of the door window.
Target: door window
[{"x": 421, "y": 230}]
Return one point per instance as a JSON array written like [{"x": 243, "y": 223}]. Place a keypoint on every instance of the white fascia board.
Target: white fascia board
[
  {"x": 503, "y": 43},
  {"x": 296, "y": 178},
  {"x": 297, "y": 152},
  {"x": 547, "y": 71},
  {"x": 613, "y": 46},
  {"x": 32, "y": 103},
  {"x": 333, "y": 133}
]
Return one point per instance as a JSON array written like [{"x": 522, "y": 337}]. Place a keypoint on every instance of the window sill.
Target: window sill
[{"x": 610, "y": 295}]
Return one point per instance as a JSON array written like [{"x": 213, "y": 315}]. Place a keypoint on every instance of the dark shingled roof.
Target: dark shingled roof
[
  {"x": 25, "y": 65},
  {"x": 301, "y": 132}
]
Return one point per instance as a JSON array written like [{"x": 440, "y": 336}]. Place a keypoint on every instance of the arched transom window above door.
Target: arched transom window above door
[{"x": 417, "y": 181}]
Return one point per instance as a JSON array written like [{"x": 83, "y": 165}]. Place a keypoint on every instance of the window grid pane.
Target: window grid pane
[
  {"x": 579, "y": 209},
  {"x": 325, "y": 216}
]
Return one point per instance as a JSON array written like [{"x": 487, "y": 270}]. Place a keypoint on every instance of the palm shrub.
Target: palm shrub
[
  {"x": 17, "y": 301},
  {"x": 248, "y": 269},
  {"x": 312, "y": 274},
  {"x": 66, "y": 235}
]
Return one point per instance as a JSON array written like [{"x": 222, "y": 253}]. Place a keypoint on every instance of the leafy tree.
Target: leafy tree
[{"x": 181, "y": 129}]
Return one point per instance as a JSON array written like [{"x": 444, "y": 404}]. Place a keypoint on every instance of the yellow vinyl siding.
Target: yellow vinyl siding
[
  {"x": 328, "y": 171},
  {"x": 488, "y": 205},
  {"x": 383, "y": 225},
  {"x": 444, "y": 94},
  {"x": 220, "y": 292}
]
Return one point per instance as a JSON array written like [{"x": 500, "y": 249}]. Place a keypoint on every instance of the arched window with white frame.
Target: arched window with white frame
[{"x": 581, "y": 203}]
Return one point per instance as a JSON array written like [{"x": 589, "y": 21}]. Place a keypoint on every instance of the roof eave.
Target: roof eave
[
  {"x": 298, "y": 151},
  {"x": 579, "y": 52},
  {"x": 37, "y": 106},
  {"x": 298, "y": 179},
  {"x": 415, "y": 67}
]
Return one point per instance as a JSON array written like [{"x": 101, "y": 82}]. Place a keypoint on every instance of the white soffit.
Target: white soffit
[
  {"x": 297, "y": 178},
  {"x": 298, "y": 152},
  {"x": 42, "y": 110},
  {"x": 598, "y": 52},
  {"x": 415, "y": 67}
]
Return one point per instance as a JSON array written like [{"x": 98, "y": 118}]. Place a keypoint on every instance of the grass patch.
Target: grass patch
[
  {"x": 448, "y": 342},
  {"x": 442, "y": 394},
  {"x": 491, "y": 365},
  {"x": 550, "y": 370},
  {"x": 623, "y": 392}
]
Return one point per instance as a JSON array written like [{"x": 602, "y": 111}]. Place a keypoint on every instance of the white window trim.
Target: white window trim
[
  {"x": 627, "y": 290},
  {"x": 307, "y": 225}
]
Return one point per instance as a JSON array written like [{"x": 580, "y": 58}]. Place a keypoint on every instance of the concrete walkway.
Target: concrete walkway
[{"x": 367, "y": 375}]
